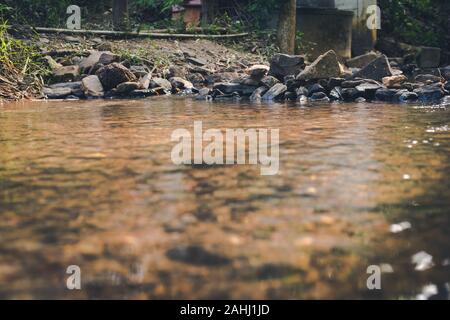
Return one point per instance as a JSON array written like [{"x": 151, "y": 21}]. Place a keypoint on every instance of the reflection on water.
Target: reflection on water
[{"x": 92, "y": 184}]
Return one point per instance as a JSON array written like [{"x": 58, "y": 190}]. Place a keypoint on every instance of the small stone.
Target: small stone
[
  {"x": 394, "y": 81},
  {"x": 315, "y": 88},
  {"x": 302, "y": 91},
  {"x": 257, "y": 72},
  {"x": 127, "y": 87},
  {"x": 350, "y": 94},
  {"x": 386, "y": 95},
  {"x": 336, "y": 94},
  {"x": 275, "y": 92},
  {"x": 269, "y": 81},
  {"x": 92, "y": 87},
  {"x": 258, "y": 93},
  {"x": 160, "y": 82},
  {"x": 422, "y": 261},
  {"x": 319, "y": 97},
  {"x": 180, "y": 83}
]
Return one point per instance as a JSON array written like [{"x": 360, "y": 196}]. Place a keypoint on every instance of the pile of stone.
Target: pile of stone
[
  {"x": 370, "y": 77},
  {"x": 102, "y": 74}
]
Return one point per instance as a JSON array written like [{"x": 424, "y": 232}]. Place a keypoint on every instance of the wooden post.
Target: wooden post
[
  {"x": 287, "y": 28},
  {"x": 120, "y": 14}
]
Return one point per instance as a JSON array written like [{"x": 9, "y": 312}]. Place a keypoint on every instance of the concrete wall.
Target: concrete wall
[{"x": 363, "y": 38}]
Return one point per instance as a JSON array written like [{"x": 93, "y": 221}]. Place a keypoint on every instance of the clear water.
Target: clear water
[{"x": 92, "y": 184}]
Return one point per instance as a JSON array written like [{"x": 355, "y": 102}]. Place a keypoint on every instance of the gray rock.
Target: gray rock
[
  {"x": 160, "y": 82},
  {"x": 114, "y": 74},
  {"x": 407, "y": 96},
  {"x": 75, "y": 87},
  {"x": 142, "y": 93},
  {"x": 445, "y": 101},
  {"x": 269, "y": 81},
  {"x": 275, "y": 92},
  {"x": 445, "y": 73},
  {"x": 257, "y": 72},
  {"x": 368, "y": 90},
  {"x": 427, "y": 78},
  {"x": 335, "y": 82},
  {"x": 352, "y": 83},
  {"x": 145, "y": 81},
  {"x": 319, "y": 97},
  {"x": 290, "y": 96},
  {"x": 177, "y": 71},
  {"x": 139, "y": 71},
  {"x": 127, "y": 87},
  {"x": 57, "y": 93},
  {"x": 302, "y": 91},
  {"x": 107, "y": 57},
  {"x": 64, "y": 74},
  {"x": 228, "y": 88},
  {"x": 324, "y": 67},
  {"x": 350, "y": 94},
  {"x": 92, "y": 87},
  {"x": 196, "y": 78},
  {"x": 336, "y": 94},
  {"x": 376, "y": 70},
  {"x": 429, "y": 57},
  {"x": 180, "y": 83},
  {"x": 315, "y": 88},
  {"x": 249, "y": 81},
  {"x": 360, "y": 100},
  {"x": 430, "y": 93},
  {"x": 258, "y": 93},
  {"x": 362, "y": 60},
  {"x": 386, "y": 95},
  {"x": 283, "y": 65},
  {"x": 196, "y": 61}
]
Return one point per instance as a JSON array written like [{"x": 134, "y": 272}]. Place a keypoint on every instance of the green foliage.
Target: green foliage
[
  {"x": 413, "y": 21},
  {"x": 21, "y": 68},
  {"x": 163, "y": 5},
  {"x": 261, "y": 12}
]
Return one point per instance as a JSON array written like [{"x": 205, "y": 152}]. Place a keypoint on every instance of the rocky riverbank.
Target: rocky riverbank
[{"x": 95, "y": 68}]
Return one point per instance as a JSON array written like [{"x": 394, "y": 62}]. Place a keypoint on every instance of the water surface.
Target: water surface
[{"x": 92, "y": 184}]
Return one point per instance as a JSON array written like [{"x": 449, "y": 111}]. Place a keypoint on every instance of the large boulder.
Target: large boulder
[
  {"x": 114, "y": 74},
  {"x": 276, "y": 91},
  {"x": 376, "y": 70},
  {"x": 324, "y": 67},
  {"x": 283, "y": 65},
  {"x": 362, "y": 61},
  {"x": 92, "y": 87}
]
